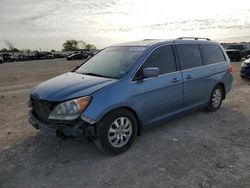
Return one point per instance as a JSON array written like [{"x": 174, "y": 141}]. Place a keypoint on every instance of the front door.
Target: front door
[{"x": 158, "y": 98}]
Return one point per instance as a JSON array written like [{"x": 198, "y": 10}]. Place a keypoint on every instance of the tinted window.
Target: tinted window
[
  {"x": 189, "y": 55},
  {"x": 236, "y": 47},
  {"x": 163, "y": 58},
  {"x": 212, "y": 53}
]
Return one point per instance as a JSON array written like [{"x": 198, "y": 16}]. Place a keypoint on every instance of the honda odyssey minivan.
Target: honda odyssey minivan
[{"x": 129, "y": 87}]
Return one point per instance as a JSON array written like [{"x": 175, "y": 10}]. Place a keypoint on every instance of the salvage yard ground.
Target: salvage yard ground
[{"x": 200, "y": 149}]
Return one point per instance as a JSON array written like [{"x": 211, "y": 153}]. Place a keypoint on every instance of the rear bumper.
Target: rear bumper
[
  {"x": 81, "y": 129},
  {"x": 228, "y": 83}
]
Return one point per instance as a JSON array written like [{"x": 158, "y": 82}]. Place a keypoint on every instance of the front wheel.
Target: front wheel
[
  {"x": 215, "y": 99},
  {"x": 116, "y": 132}
]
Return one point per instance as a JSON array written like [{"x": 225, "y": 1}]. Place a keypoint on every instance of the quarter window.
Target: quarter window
[
  {"x": 212, "y": 53},
  {"x": 162, "y": 58},
  {"x": 189, "y": 55}
]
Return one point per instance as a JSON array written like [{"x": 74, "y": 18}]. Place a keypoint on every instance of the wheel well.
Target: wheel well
[
  {"x": 135, "y": 114},
  {"x": 223, "y": 87}
]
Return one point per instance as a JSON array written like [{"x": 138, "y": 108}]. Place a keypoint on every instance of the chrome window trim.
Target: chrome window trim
[
  {"x": 204, "y": 66},
  {"x": 157, "y": 76}
]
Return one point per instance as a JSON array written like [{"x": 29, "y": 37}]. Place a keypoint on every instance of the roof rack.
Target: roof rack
[
  {"x": 150, "y": 39},
  {"x": 193, "y": 38}
]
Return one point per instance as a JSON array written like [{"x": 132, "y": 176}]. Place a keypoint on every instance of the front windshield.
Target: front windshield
[{"x": 112, "y": 62}]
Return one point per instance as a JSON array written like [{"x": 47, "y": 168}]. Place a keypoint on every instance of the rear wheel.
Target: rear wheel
[
  {"x": 116, "y": 132},
  {"x": 216, "y": 99}
]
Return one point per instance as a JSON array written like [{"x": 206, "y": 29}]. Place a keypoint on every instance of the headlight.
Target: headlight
[{"x": 70, "y": 110}]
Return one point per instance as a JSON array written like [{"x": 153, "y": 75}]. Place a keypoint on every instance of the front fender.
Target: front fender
[{"x": 107, "y": 99}]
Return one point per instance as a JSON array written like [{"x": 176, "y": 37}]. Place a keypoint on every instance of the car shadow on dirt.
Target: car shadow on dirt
[{"x": 211, "y": 146}]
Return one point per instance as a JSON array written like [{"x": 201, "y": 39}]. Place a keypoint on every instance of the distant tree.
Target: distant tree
[
  {"x": 15, "y": 50},
  {"x": 28, "y": 51},
  {"x": 11, "y": 46},
  {"x": 52, "y": 50},
  {"x": 70, "y": 45},
  {"x": 90, "y": 47},
  {"x": 4, "y": 50},
  {"x": 81, "y": 44},
  {"x": 74, "y": 45}
]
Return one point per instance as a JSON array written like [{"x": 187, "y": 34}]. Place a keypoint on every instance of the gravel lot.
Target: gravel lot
[{"x": 200, "y": 149}]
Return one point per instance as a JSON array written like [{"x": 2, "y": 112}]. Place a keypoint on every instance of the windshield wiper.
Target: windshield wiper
[
  {"x": 93, "y": 74},
  {"x": 98, "y": 75}
]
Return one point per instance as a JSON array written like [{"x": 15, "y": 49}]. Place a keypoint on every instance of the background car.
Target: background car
[
  {"x": 238, "y": 51},
  {"x": 58, "y": 55},
  {"x": 77, "y": 56},
  {"x": 22, "y": 58},
  {"x": 1, "y": 59},
  {"x": 49, "y": 55},
  {"x": 8, "y": 58},
  {"x": 245, "y": 68}
]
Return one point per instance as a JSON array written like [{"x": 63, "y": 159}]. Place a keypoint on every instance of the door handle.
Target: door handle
[
  {"x": 189, "y": 77},
  {"x": 175, "y": 80}
]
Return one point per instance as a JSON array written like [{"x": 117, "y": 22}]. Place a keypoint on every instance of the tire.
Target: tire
[
  {"x": 112, "y": 130},
  {"x": 242, "y": 76},
  {"x": 216, "y": 99}
]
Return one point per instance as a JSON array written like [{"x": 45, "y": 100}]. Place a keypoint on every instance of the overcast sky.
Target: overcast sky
[{"x": 46, "y": 24}]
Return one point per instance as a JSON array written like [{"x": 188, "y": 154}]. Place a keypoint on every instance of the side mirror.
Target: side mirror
[{"x": 151, "y": 72}]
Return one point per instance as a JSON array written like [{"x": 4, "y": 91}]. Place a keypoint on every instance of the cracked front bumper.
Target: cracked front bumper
[{"x": 77, "y": 130}]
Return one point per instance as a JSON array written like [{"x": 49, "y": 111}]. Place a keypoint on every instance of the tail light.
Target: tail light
[{"x": 230, "y": 69}]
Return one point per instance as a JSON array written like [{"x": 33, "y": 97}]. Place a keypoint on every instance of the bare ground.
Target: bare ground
[{"x": 200, "y": 149}]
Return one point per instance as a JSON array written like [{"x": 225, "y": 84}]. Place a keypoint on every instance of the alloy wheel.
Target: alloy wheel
[{"x": 120, "y": 132}]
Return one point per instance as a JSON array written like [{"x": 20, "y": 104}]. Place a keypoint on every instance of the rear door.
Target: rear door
[
  {"x": 216, "y": 65},
  {"x": 159, "y": 97},
  {"x": 194, "y": 77}
]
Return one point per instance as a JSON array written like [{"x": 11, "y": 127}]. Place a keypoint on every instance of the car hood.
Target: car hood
[{"x": 68, "y": 86}]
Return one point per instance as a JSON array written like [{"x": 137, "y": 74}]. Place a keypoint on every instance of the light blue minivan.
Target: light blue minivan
[{"x": 131, "y": 86}]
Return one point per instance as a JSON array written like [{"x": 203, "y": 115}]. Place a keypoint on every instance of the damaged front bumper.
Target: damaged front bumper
[{"x": 79, "y": 130}]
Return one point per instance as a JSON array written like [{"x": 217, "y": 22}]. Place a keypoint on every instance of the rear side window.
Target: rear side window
[
  {"x": 212, "y": 53},
  {"x": 189, "y": 55},
  {"x": 163, "y": 58}
]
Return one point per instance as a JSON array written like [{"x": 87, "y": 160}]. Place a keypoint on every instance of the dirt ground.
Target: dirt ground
[{"x": 200, "y": 149}]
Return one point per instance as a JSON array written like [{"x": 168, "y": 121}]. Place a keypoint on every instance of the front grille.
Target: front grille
[{"x": 41, "y": 109}]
